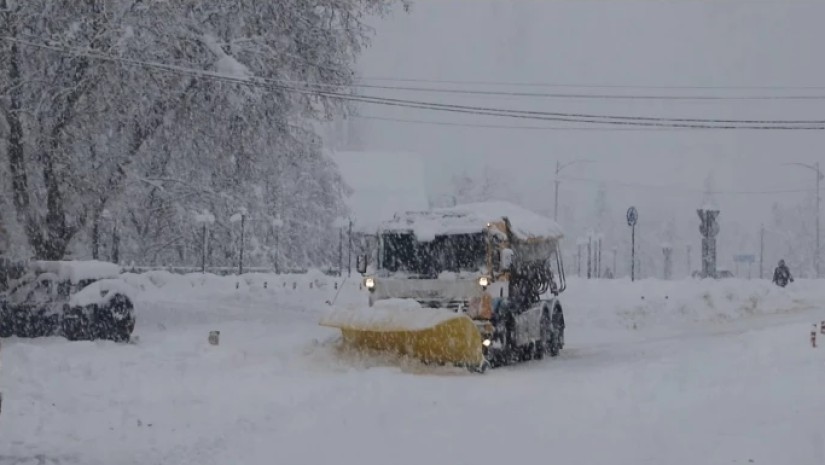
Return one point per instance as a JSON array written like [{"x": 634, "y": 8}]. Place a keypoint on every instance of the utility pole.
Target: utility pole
[
  {"x": 579, "y": 259},
  {"x": 560, "y": 167},
  {"x": 340, "y": 251},
  {"x": 349, "y": 254},
  {"x": 589, "y": 257},
  {"x": 615, "y": 270},
  {"x": 689, "y": 267},
  {"x": 667, "y": 250},
  {"x": 243, "y": 222},
  {"x": 203, "y": 257},
  {"x": 816, "y": 257},
  {"x": 277, "y": 224},
  {"x": 761, "y": 251},
  {"x": 633, "y": 254},
  {"x": 556, "y": 208}
]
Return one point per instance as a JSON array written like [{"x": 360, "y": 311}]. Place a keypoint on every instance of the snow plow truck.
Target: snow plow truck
[{"x": 474, "y": 285}]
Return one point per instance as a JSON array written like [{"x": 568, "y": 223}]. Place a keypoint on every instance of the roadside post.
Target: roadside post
[{"x": 632, "y": 218}]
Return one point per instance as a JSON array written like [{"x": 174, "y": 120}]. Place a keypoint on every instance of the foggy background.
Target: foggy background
[{"x": 705, "y": 49}]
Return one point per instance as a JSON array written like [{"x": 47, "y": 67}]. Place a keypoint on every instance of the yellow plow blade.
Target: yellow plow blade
[{"x": 430, "y": 335}]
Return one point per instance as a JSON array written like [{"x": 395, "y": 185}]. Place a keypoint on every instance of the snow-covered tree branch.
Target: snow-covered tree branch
[{"x": 98, "y": 149}]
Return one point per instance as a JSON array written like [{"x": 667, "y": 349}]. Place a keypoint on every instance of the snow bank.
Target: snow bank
[
  {"x": 76, "y": 271},
  {"x": 647, "y": 303},
  {"x": 611, "y": 305}
]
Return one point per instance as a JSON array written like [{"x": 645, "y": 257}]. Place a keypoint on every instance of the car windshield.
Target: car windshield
[{"x": 401, "y": 252}]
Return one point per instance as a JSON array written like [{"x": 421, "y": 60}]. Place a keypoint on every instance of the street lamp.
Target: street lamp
[
  {"x": 277, "y": 224},
  {"x": 560, "y": 166},
  {"x": 240, "y": 216},
  {"x": 615, "y": 270},
  {"x": 581, "y": 242},
  {"x": 204, "y": 218},
  {"x": 819, "y": 177}
]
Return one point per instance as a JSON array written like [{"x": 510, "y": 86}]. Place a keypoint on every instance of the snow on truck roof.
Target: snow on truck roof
[{"x": 471, "y": 218}]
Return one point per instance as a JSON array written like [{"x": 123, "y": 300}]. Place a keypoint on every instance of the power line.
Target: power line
[
  {"x": 534, "y": 128},
  {"x": 684, "y": 190},
  {"x": 593, "y": 118},
  {"x": 580, "y": 96},
  {"x": 488, "y": 111},
  {"x": 584, "y": 86}
]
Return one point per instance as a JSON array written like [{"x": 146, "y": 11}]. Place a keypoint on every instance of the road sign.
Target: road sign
[{"x": 632, "y": 216}]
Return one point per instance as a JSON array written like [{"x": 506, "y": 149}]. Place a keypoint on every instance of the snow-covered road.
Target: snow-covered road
[{"x": 693, "y": 373}]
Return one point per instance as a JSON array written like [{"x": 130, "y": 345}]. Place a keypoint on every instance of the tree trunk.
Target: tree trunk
[
  {"x": 16, "y": 151},
  {"x": 96, "y": 238}
]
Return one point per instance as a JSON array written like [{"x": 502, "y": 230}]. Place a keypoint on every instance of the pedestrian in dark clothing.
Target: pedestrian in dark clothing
[{"x": 782, "y": 275}]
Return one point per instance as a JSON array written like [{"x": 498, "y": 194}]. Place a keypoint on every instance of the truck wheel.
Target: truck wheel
[
  {"x": 544, "y": 331},
  {"x": 558, "y": 323},
  {"x": 550, "y": 335},
  {"x": 480, "y": 369}
]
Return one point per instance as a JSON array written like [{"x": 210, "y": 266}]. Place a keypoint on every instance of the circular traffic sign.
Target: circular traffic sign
[{"x": 632, "y": 216}]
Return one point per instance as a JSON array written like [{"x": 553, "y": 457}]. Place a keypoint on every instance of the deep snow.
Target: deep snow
[{"x": 694, "y": 372}]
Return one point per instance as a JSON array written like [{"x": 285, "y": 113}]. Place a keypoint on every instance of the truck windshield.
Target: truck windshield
[{"x": 452, "y": 253}]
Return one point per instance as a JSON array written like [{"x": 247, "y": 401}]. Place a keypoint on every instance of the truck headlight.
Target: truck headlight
[
  {"x": 486, "y": 343},
  {"x": 370, "y": 283},
  {"x": 484, "y": 281}
]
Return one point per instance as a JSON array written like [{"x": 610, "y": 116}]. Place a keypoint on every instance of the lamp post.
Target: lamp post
[
  {"x": 349, "y": 253},
  {"x": 689, "y": 267},
  {"x": 560, "y": 166},
  {"x": 277, "y": 224},
  {"x": 581, "y": 242},
  {"x": 589, "y": 255},
  {"x": 240, "y": 216},
  {"x": 761, "y": 251},
  {"x": 205, "y": 218},
  {"x": 819, "y": 177},
  {"x": 667, "y": 251},
  {"x": 615, "y": 270}
]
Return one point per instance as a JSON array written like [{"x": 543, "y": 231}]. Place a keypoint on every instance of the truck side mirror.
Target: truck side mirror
[
  {"x": 361, "y": 264},
  {"x": 506, "y": 259}
]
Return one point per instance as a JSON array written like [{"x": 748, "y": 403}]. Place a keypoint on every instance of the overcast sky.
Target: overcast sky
[{"x": 611, "y": 43}]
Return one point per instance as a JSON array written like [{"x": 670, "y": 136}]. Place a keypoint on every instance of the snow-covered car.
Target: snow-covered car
[{"x": 74, "y": 299}]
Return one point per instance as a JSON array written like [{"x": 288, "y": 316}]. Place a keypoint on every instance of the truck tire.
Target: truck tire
[
  {"x": 558, "y": 322},
  {"x": 551, "y": 342},
  {"x": 548, "y": 343}
]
